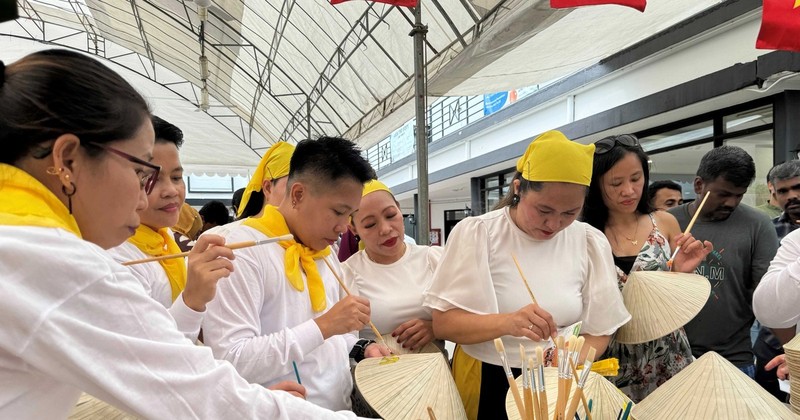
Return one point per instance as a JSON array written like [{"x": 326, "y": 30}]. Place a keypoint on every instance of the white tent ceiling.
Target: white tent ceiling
[{"x": 280, "y": 69}]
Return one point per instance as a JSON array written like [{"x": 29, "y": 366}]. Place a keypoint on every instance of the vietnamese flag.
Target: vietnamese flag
[
  {"x": 562, "y": 4},
  {"x": 404, "y": 3},
  {"x": 780, "y": 25}
]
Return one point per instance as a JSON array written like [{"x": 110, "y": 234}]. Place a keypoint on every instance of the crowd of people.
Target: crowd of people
[{"x": 90, "y": 179}]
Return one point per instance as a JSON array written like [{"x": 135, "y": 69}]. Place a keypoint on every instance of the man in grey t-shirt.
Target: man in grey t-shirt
[{"x": 744, "y": 244}]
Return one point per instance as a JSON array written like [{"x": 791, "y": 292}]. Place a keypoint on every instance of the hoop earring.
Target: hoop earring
[
  {"x": 69, "y": 194},
  {"x": 515, "y": 200}
]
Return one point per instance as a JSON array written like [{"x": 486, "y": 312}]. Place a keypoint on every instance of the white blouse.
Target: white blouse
[
  {"x": 572, "y": 276},
  {"x": 394, "y": 290},
  {"x": 776, "y": 300},
  {"x": 156, "y": 283},
  {"x": 261, "y": 324},
  {"x": 76, "y": 320}
]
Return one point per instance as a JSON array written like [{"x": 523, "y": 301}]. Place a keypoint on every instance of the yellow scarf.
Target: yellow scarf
[
  {"x": 27, "y": 202},
  {"x": 273, "y": 224},
  {"x": 158, "y": 243}
]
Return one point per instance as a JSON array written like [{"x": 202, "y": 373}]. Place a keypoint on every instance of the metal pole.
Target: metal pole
[{"x": 423, "y": 216}]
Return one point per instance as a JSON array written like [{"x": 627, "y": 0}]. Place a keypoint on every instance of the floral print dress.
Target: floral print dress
[{"x": 644, "y": 367}]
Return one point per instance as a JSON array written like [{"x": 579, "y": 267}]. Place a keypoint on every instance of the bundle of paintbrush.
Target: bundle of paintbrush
[{"x": 531, "y": 401}]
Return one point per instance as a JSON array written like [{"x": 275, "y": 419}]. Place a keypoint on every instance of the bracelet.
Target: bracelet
[{"x": 357, "y": 353}]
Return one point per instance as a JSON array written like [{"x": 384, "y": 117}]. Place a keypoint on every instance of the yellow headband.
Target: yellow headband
[
  {"x": 552, "y": 157},
  {"x": 274, "y": 165},
  {"x": 375, "y": 185}
]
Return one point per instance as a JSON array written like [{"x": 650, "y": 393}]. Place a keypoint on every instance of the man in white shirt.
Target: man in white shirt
[{"x": 282, "y": 305}]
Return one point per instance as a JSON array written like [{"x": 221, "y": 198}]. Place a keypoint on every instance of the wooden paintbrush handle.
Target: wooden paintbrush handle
[{"x": 517, "y": 398}]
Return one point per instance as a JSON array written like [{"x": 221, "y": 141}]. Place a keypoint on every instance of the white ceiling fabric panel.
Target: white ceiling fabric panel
[{"x": 272, "y": 61}]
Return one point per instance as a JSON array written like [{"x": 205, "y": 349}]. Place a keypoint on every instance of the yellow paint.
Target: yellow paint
[{"x": 387, "y": 360}]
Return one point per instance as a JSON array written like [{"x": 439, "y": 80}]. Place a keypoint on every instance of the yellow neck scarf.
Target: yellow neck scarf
[
  {"x": 272, "y": 224},
  {"x": 27, "y": 202},
  {"x": 158, "y": 243}
]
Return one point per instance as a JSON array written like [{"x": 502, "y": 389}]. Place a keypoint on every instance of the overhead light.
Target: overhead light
[
  {"x": 202, "y": 13},
  {"x": 204, "y": 98},
  {"x": 203, "y": 67}
]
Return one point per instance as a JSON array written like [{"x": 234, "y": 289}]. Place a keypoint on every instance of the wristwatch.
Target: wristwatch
[{"x": 357, "y": 353}]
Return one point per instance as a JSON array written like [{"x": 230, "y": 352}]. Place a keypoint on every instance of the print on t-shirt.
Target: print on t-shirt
[{"x": 713, "y": 269}]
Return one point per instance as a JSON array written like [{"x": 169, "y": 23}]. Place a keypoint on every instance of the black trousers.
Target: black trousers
[{"x": 494, "y": 387}]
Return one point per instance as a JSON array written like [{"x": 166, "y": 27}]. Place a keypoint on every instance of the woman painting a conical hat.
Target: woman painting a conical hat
[{"x": 478, "y": 295}]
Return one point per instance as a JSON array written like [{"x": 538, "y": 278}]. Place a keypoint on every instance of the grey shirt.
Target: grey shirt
[{"x": 744, "y": 245}]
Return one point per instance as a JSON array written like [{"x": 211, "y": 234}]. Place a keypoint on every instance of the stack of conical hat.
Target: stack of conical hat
[
  {"x": 397, "y": 348},
  {"x": 660, "y": 302},
  {"x": 91, "y": 408},
  {"x": 607, "y": 399},
  {"x": 711, "y": 388},
  {"x": 792, "y": 350},
  {"x": 404, "y": 386}
]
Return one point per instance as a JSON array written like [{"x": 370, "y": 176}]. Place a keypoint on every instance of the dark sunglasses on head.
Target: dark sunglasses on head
[
  {"x": 148, "y": 179},
  {"x": 604, "y": 145}
]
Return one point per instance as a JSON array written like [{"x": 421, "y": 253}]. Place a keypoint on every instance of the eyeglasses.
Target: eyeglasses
[
  {"x": 147, "y": 180},
  {"x": 606, "y": 144}
]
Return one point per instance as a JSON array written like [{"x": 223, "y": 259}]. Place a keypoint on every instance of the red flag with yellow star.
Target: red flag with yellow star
[
  {"x": 562, "y": 4},
  {"x": 780, "y": 25},
  {"x": 404, "y": 3}
]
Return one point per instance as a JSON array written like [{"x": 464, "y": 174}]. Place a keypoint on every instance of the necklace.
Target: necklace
[{"x": 633, "y": 240}]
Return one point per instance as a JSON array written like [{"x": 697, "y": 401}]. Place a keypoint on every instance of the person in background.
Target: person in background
[
  {"x": 76, "y": 141},
  {"x": 641, "y": 239},
  {"x": 187, "y": 230},
  {"x": 184, "y": 292},
  {"x": 665, "y": 195},
  {"x": 776, "y": 301},
  {"x": 236, "y": 200},
  {"x": 390, "y": 272},
  {"x": 282, "y": 304},
  {"x": 745, "y": 242},
  {"x": 784, "y": 182},
  {"x": 477, "y": 294},
  {"x": 771, "y": 207},
  {"x": 214, "y": 213},
  {"x": 269, "y": 179}
]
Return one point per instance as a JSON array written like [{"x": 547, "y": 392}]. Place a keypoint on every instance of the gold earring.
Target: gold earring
[{"x": 53, "y": 171}]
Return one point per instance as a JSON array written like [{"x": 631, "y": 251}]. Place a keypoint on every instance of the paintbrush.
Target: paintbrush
[
  {"x": 524, "y": 280},
  {"x": 533, "y": 389},
  {"x": 544, "y": 411},
  {"x": 576, "y": 345},
  {"x": 237, "y": 245},
  {"x": 431, "y": 414},
  {"x": 587, "y": 367},
  {"x": 346, "y": 290},
  {"x": 526, "y": 387},
  {"x": 586, "y": 407},
  {"x": 512, "y": 384},
  {"x": 688, "y": 228},
  {"x": 561, "y": 379}
]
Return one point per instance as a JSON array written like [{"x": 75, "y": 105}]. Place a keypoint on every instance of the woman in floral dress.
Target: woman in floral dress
[{"x": 640, "y": 240}]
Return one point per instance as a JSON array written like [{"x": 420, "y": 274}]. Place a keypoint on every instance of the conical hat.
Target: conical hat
[
  {"x": 792, "y": 350},
  {"x": 659, "y": 303},
  {"x": 607, "y": 400},
  {"x": 711, "y": 388},
  {"x": 404, "y": 386},
  {"x": 90, "y": 408},
  {"x": 397, "y": 348}
]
